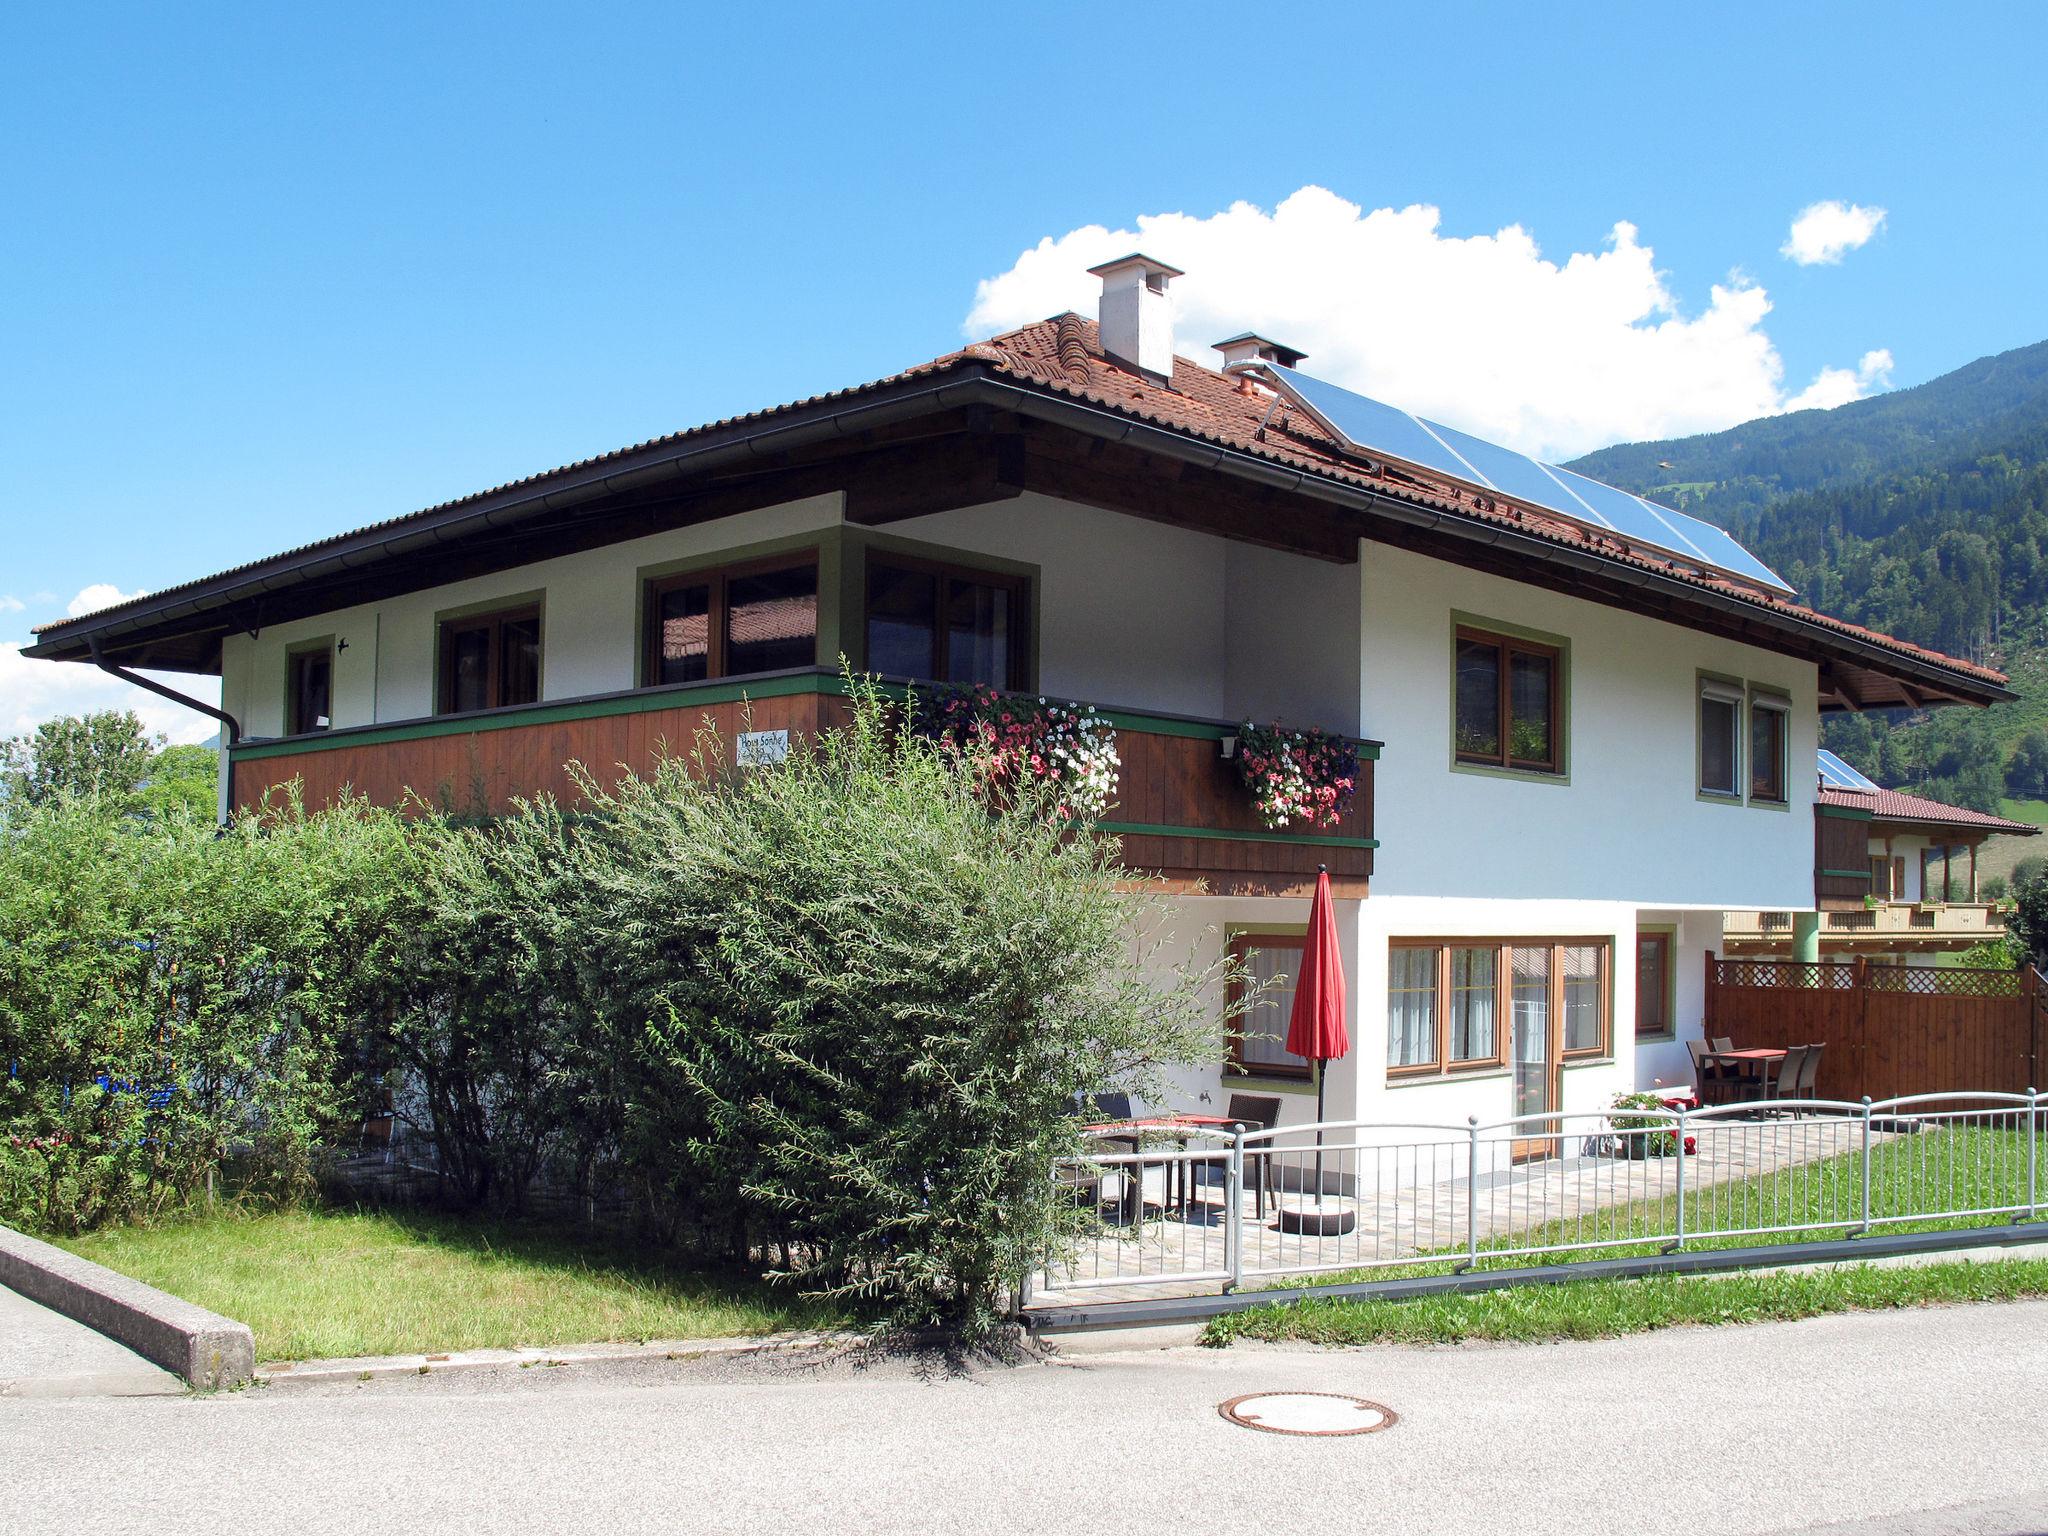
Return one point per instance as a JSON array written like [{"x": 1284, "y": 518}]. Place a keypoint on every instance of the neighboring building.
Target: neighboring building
[
  {"x": 1923, "y": 892},
  {"x": 1579, "y": 712}
]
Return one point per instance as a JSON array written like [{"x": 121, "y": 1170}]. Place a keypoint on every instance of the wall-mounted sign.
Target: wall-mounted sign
[{"x": 758, "y": 749}]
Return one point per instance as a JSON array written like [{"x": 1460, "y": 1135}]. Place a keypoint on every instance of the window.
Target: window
[
  {"x": 1720, "y": 739},
  {"x": 490, "y": 661},
  {"x": 736, "y": 622},
  {"x": 1450, "y": 1003},
  {"x": 1412, "y": 983},
  {"x": 945, "y": 623},
  {"x": 1653, "y": 985},
  {"x": 309, "y": 691},
  {"x": 1767, "y": 736},
  {"x": 1880, "y": 877},
  {"x": 1261, "y": 1044},
  {"x": 1474, "y": 991},
  {"x": 1508, "y": 708}
]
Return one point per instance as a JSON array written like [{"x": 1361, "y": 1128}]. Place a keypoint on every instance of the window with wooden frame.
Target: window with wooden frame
[
  {"x": 1508, "y": 712},
  {"x": 1720, "y": 742},
  {"x": 932, "y": 621},
  {"x": 1451, "y": 1002},
  {"x": 1880, "y": 877},
  {"x": 733, "y": 621},
  {"x": 1259, "y": 1040},
  {"x": 1444, "y": 1006},
  {"x": 1655, "y": 985},
  {"x": 309, "y": 690},
  {"x": 490, "y": 660},
  {"x": 1769, "y": 733}
]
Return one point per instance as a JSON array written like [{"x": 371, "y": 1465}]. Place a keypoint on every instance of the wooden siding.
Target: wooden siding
[
  {"x": 1841, "y": 859},
  {"x": 1888, "y": 1029},
  {"x": 481, "y": 772},
  {"x": 1172, "y": 778}
]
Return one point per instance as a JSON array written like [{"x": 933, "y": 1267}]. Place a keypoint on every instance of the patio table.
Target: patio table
[
  {"x": 1174, "y": 1127},
  {"x": 1755, "y": 1065}
]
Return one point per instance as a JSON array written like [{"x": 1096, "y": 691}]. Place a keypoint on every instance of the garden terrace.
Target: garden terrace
[{"x": 1180, "y": 808}]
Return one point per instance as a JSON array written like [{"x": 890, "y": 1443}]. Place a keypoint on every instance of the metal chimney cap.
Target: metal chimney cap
[{"x": 1251, "y": 347}]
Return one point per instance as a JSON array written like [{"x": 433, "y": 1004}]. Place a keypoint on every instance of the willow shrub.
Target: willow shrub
[
  {"x": 171, "y": 996},
  {"x": 865, "y": 1003}
]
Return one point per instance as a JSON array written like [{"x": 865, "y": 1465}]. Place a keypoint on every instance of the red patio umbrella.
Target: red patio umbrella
[{"x": 1315, "y": 1030}]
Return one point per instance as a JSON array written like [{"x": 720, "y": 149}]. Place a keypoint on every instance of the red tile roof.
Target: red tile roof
[
  {"x": 1894, "y": 805},
  {"x": 1062, "y": 356}
]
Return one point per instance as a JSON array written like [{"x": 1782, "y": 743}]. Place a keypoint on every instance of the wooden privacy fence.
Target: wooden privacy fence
[{"x": 1888, "y": 1029}]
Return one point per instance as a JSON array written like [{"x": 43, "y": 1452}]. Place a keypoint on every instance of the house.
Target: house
[
  {"x": 1922, "y": 888},
  {"x": 1577, "y": 713}
]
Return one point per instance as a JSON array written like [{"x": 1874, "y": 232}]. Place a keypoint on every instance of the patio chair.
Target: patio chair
[
  {"x": 1713, "y": 1081},
  {"x": 1722, "y": 1043},
  {"x": 1785, "y": 1084},
  {"x": 1809, "y": 1071},
  {"x": 1257, "y": 1112},
  {"x": 1096, "y": 1107}
]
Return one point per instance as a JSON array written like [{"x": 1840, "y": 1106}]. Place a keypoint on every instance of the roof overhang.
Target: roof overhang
[{"x": 180, "y": 629}]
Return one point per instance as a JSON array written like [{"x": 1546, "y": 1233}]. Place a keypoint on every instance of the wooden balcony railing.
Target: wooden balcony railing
[{"x": 1182, "y": 814}]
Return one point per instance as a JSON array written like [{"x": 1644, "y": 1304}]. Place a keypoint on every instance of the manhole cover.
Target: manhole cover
[{"x": 1307, "y": 1413}]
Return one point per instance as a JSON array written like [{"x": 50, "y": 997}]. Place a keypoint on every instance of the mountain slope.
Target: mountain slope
[{"x": 1731, "y": 476}]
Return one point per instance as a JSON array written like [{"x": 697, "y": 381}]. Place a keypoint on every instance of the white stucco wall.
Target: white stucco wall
[
  {"x": 1628, "y": 826},
  {"x": 589, "y": 624}
]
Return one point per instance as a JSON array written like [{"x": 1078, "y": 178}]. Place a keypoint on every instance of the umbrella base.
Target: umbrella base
[{"x": 1318, "y": 1220}]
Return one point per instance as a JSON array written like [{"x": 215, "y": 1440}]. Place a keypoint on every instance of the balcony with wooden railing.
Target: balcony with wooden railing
[
  {"x": 1180, "y": 810},
  {"x": 1875, "y": 929}
]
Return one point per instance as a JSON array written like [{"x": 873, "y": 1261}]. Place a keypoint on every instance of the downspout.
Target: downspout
[{"x": 229, "y": 722}]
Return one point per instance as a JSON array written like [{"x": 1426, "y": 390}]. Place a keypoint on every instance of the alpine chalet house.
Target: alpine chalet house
[
  {"x": 1576, "y": 714},
  {"x": 1922, "y": 887}
]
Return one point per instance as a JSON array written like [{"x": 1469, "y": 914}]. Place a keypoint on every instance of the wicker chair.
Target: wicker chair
[
  {"x": 1713, "y": 1081},
  {"x": 1785, "y": 1082}
]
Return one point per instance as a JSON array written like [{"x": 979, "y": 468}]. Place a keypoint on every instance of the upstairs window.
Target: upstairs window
[
  {"x": 736, "y": 622},
  {"x": 1509, "y": 703},
  {"x": 309, "y": 691},
  {"x": 490, "y": 661},
  {"x": 1720, "y": 739},
  {"x": 1767, "y": 741},
  {"x": 943, "y": 623}
]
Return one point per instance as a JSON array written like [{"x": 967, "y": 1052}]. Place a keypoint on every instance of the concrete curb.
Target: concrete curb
[
  {"x": 277, "y": 1373},
  {"x": 203, "y": 1347}
]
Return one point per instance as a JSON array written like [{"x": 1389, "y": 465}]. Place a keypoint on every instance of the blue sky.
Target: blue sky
[{"x": 269, "y": 273}]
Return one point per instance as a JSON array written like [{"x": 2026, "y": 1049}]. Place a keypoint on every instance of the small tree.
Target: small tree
[{"x": 83, "y": 756}]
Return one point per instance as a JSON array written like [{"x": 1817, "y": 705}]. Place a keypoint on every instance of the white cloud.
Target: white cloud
[
  {"x": 101, "y": 594},
  {"x": 1825, "y": 232},
  {"x": 9, "y": 603},
  {"x": 1838, "y": 386},
  {"x": 1481, "y": 331},
  {"x": 34, "y": 691}
]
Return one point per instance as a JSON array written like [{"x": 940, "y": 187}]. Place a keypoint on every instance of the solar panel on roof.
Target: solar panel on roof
[
  {"x": 1836, "y": 774},
  {"x": 1375, "y": 428}
]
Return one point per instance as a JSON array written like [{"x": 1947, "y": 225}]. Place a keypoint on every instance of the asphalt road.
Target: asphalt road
[{"x": 1927, "y": 1422}]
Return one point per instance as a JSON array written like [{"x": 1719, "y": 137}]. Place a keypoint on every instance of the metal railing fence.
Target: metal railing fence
[{"x": 1227, "y": 1207}]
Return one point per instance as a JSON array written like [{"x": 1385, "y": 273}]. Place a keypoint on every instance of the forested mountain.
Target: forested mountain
[
  {"x": 1923, "y": 513},
  {"x": 1731, "y": 476}
]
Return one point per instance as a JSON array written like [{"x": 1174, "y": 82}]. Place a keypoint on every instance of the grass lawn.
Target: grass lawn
[
  {"x": 1969, "y": 1166},
  {"x": 1599, "y": 1309},
  {"x": 317, "y": 1283}
]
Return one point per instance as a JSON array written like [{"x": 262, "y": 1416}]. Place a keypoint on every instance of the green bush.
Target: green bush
[
  {"x": 171, "y": 995},
  {"x": 830, "y": 1014},
  {"x": 876, "y": 1001}
]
